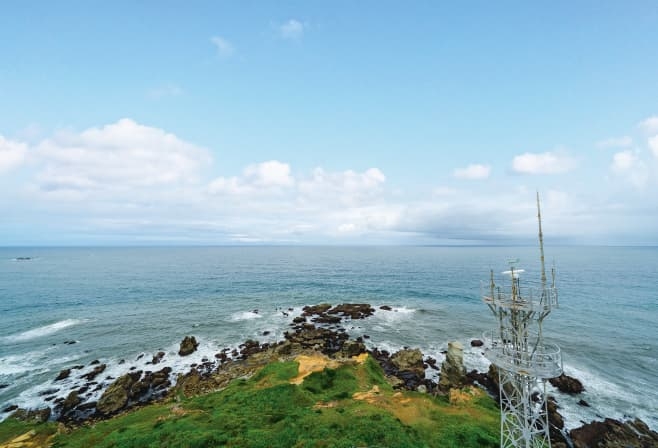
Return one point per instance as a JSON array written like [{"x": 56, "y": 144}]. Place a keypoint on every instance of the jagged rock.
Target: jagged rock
[
  {"x": 567, "y": 384},
  {"x": 353, "y": 310},
  {"x": 453, "y": 373},
  {"x": 4, "y": 385},
  {"x": 322, "y": 339},
  {"x": 315, "y": 309},
  {"x": 48, "y": 392},
  {"x": 249, "y": 347},
  {"x": 484, "y": 380},
  {"x": 188, "y": 346},
  {"x": 476, "y": 343},
  {"x": 32, "y": 415},
  {"x": 116, "y": 396},
  {"x": 583, "y": 403},
  {"x": 71, "y": 401},
  {"x": 63, "y": 374},
  {"x": 157, "y": 357},
  {"x": 406, "y": 364},
  {"x": 11, "y": 407},
  {"x": 386, "y": 308},
  {"x": 299, "y": 320},
  {"x": 612, "y": 433},
  {"x": 409, "y": 359},
  {"x": 95, "y": 372},
  {"x": 352, "y": 348},
  {"x": 325, "y": 319}
]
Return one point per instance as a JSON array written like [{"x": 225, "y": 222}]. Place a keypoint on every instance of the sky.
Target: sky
[{"x": 340, "y": 123}]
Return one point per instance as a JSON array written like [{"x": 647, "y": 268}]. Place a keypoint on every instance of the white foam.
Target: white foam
[
  {"x": 17, "y": 364},
  {"x": 41, "y": 331},
  {"x": 245, "y": 315}
]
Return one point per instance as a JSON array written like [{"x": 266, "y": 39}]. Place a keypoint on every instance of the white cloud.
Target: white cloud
[
  {"x": 615, "y": 142},
  {"x": 628, "y": 165},
  {"x": 650, "y": 125},
  {"x": 346, "y": 187},
  {"x": 653, "y": 145},
  {"x": 266, "y": 177},
  {"x": 269, "y": 174},
  {"x": 119, "y": 156},
  {"x": 472, "y": 172},
  {"x": 12, "y": 154},
  {"x": 224, "y": 48},
  {"x": 543, "y": 163},
  {"x": 292, "y": 29}
]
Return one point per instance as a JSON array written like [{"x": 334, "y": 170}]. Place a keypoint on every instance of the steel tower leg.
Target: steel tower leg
[{"x": 523, "y": 420}]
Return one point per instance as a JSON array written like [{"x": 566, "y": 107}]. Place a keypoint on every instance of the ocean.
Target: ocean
[{"x": 70, "y": 306}]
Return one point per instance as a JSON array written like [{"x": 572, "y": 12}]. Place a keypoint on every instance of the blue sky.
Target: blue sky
[{"x": 328, "y": 122}]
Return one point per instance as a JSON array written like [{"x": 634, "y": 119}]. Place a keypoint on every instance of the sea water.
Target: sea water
[{"x": 61, "y": 307}]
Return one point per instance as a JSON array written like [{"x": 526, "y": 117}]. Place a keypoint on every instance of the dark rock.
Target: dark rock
[
  {"x": 11, "y": 407},
  {"x": 122, "y": 361},
  {"x": 324, "y": 319},
  {"x": 140, "y": 357},
  {"x": 567, "y": 384},
  {"x": 476, "y": 343},
  {"x": 78, "y": 367},
  {"x": 94, "y": 362},
  {"x": 157, "y": 357},
  {"x": 116, "y": 396},
  {"x": 583, "y": 403},
  {"x": 612, "y": 433},
  {"x": 94, "y": 373},
  {"x": 249, "y": 347},
  {"x": 431, "y": 362},
  {"x": 323, "y": 339},
  {"x": 386, "y": 308},
  {"x": 353, "y": 310},
  {"x": 299, "y": 320},
  {"x": 70, "y": 342},
  {"x": 48, "y": 392},
  {"x": 71, "y": 401},
  {"x": 87, "y": 406},
  {"x": 352, "y": 348},
  {"x": 265, "y": 333},
  {"x": 32, "y": 415},
  {"x": 188, "y": 346},
  {"x": 315, "y": 309},
  {"x": 63, "y": 374},
  {"x": 4, "y": 385}
]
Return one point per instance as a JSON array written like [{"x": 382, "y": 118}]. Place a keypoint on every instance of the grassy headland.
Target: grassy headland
[{"x": 344, "y": 404}]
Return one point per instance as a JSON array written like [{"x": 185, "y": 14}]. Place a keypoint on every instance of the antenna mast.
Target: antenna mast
[{"x": 523, "y": 361}]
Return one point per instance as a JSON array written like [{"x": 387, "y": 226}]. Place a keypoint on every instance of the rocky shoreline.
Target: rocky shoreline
[{"x": 319, "y": 328}]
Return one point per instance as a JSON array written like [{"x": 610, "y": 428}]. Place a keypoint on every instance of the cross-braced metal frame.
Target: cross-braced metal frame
[{"x": 523, "y": 361}]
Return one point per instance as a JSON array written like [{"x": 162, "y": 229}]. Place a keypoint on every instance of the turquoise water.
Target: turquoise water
[{"x": 118, "y": 303}]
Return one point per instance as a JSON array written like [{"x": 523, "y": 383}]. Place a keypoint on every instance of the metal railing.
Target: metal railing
[
  {"x": 526, "y": 299},
  {"x": 542, "y": 361}
]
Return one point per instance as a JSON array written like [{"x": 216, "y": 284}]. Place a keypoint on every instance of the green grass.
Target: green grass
[
  {"x": 268, "y": 411},
  {"x": 11, "y": 428}
]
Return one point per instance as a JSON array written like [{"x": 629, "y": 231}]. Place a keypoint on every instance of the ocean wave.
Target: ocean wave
[
  {"x": 41, "y": 331},
  {"x": 245, "y": 315},
  {"x": 395, "y": 314}
]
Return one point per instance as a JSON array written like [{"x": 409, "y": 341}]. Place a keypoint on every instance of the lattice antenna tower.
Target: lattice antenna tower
[{"x": 517, "y": 349}]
